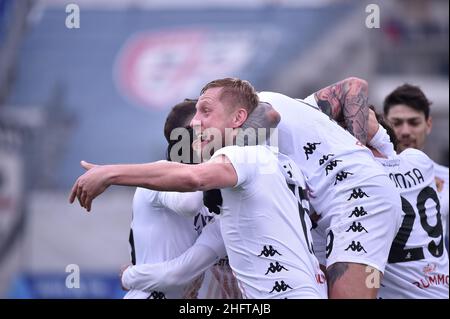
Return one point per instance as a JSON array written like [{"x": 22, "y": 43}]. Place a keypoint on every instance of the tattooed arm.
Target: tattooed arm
[
  {"x": 347, "y": 103},
  {"x": 334, "y": 272},
  {"x": 352, "y": 280},
  {"x": 263, "y": 116}
]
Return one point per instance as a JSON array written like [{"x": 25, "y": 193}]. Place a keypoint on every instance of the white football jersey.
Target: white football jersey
[
  {"x": 266, "y": 230},
  {"x": 324, "y": 151},
  {"x": 159, "y": 234},
  {"x": 346, "y": 186},
  {"x": 418, "y": 261}
]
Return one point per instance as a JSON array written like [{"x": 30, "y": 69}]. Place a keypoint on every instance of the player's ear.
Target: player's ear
[
  {"x": 429, "y": 124},
  {"x": 240, "y": 117}
]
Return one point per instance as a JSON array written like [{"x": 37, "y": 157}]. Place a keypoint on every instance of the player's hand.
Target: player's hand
[
  {"x": 87, "y": 166},
  {"x": 90, "y": 184}
]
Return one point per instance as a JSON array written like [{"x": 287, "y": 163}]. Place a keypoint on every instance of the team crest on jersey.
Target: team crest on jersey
[
  {"x": 429, "y": 268},
  {"x": 160, "y": 68}
]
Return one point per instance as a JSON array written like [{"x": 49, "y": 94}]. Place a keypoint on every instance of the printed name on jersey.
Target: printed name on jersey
[
  {"x": 405, "y": 180},
  {"x": 434, "y": 280}
]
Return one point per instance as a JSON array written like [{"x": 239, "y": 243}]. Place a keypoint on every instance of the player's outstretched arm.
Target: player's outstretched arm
[
  {"x": 161, "y": 176},
  {"x": 347, "y": 103},
  {"x": 180, "y": 271},
  {"x": 170, "y": 274}
]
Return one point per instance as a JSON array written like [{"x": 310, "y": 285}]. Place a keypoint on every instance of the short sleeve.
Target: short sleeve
[{"x": 243, "y": 159}]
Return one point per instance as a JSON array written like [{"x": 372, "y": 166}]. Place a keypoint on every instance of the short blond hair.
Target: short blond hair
[{"x": 235, "y": 92}]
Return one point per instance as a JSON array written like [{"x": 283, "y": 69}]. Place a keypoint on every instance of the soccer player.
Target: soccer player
[
  {"x": 346, "y": 186},
  {"x": 418, "y": 263},
  {"x": 156, "y": 214},
  {"x": 408, "y": 111},
  {"x": 208, "y": 247},
  {"x": 263, "y": 224},
  {"x": 182, "y": 270}
]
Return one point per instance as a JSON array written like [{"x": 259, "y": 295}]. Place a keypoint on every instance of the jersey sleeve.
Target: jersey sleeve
[
  {"x": 184, "y": 204},
  {"x": 382, "y": 142},
  {"x": 176, "y": 272},
  {"x": 207, "y": 250},
  {"x": 243, "y": 159}
]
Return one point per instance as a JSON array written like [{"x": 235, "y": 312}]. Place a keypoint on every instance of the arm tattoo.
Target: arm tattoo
[
  {"x": 259, "y": 118},
  {"x": 334, "y": 272},
  {"x": 329, "y": 100},
  {"x": 263, "y": 116},
  {"x": 347, "y": 103}
]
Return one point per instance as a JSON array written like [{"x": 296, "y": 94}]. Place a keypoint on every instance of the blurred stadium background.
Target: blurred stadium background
[{"x": 101, "y": 93}]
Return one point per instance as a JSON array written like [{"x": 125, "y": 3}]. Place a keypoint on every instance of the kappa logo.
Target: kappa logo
[
  {"x": 357, "y": 193},
  {"x": 157, "y": 295},
  {"x": 331, "y": 166},
  {"x": 341, "y": 176},
  {"x": 280, "y": 286},
  {"x": 310, "y": 148},
  {"x": 358, "y": 212},
  {"x": 275, "y": 268},
  {"x": 325, "y": 158},
  {"x": 356, "y": 228},
  {"x": 356, "y": 247},
  {"x": 268, "y": 251}
]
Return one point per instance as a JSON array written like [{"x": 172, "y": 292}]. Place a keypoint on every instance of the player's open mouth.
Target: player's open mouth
[{"x": 201, "y": 140}]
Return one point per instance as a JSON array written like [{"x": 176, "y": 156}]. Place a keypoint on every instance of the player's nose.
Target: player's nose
[
  {"x": 196, "y": 125},
  {"x": 405, "y": 129},
  {"x": 195, "y": 121}
]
